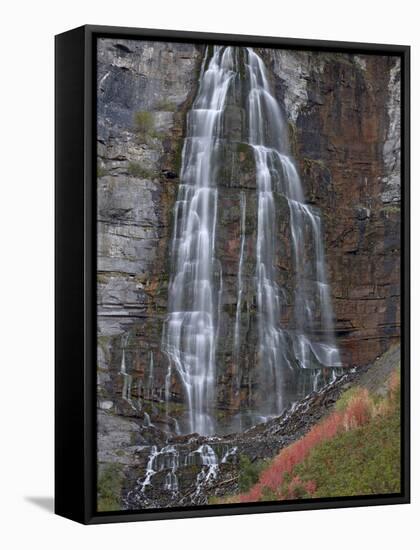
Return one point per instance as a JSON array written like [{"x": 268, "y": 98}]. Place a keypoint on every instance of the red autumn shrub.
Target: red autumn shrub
[
  {"x": 298, "y": 489},
  {"x": 272, "y": 477},
  {"x": 358, "y": 411},
  {"x": 394, "y": 384},
  {"x": 310, "y": 487}
]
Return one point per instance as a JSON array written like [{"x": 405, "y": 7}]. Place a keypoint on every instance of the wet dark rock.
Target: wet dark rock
[
  {"x": 123, "y": 48},
  {"x": 170, "y": 175}
]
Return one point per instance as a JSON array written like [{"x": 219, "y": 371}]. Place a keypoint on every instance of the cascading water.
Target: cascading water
[
  {"x": 236, "y": 338},
  {"x": 151, "y": 379},
  {"x": 168, "y": 463},
  {"x": 127, "y": 378},
  {"x": 276, "y": 174},
  {"x": 165, "y": 459},
  {"x": 190, "y": 331},
  {"x": 296, "y": 352}
]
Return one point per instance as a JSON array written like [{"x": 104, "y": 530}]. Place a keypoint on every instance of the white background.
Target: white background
[{"x": 26, "y": 300}]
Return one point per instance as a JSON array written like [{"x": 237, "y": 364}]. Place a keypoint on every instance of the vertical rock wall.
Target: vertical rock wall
[
  {"x": 344, "y": 119},
  {"x": 343, "y": 115},
  {"x": 144, "y": 90}
]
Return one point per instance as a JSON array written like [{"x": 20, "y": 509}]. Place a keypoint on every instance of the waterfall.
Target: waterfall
[
  {"x": 165, "y": 468},
  {"x": 151, "y": 379},
  {"x": 165, "y": 459},
  {"x": 236, "y": 339},
  {"x": 147, "y": 422},
  {"x": 191, "y": 328},
  {"x": 276, "y": 174},
  {"x": 127, "y": 378},
  {"x": 296, "y": 350},
  {"x": 209, "y": 471}
]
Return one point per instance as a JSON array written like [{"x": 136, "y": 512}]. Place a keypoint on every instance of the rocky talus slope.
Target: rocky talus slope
[{"x": 184, "y": 470}]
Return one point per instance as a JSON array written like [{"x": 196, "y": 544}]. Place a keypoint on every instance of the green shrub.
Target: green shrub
[
  {"x": 143, "y": 122},
  {"x": 138, "y": 171},
  {"x": 268, "y": 495},
  {"x": 165, "y": 105},
  {"x": 100, "y": 170},
  {"x": 110, "y": 482},
  {"x": 249, "y": 472},
  {"x": 145, "y": 127},
  {"x": 345, "y": 398},
  {"x": 391, "y": 209}
]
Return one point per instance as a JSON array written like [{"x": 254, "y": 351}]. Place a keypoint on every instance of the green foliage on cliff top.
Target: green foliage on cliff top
[{"x": 110, "y": 482}]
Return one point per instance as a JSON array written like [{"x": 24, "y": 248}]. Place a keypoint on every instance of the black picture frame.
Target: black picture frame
[{"x": 75, "y": 290}]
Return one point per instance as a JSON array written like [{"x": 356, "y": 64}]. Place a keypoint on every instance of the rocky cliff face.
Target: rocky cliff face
[
  {"x": 141, "y": 111},
  {"x": 343, "y": 117}
]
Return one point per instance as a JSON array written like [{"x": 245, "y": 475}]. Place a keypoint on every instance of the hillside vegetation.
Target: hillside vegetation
[{"x": 355, "y": 450}]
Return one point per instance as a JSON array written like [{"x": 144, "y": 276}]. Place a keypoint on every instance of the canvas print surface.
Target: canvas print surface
[{"x": 248, "y": 274}]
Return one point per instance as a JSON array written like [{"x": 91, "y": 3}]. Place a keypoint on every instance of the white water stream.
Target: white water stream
[
  {"x": 276, "y": 174},
  {"x": 190, "y": 332},
  {"x": 306, "y": 342}
]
